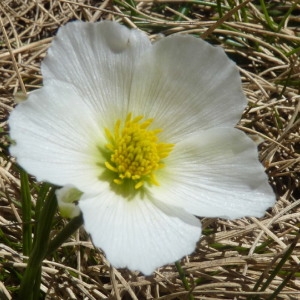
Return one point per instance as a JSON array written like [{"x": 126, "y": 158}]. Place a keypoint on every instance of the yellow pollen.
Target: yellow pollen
[{"x": 135, "y": 151}]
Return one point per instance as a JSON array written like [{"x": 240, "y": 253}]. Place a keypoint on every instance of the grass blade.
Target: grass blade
[
  {"x": 31, "y": 278},
  {"x": 26, "y": 211},
  {"x": 183, "y": 279}
]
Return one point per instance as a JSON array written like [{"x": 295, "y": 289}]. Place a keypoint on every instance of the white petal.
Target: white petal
[
  {"x": 216, "y": 173},
  {"x": 186, "y": 85},
  {"x": 139, "y": 234},
  {"x": 56, "y": 136},
  {"x": 98, "y": 58}
]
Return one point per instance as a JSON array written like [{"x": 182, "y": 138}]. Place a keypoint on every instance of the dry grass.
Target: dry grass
[{"x": 233, "y": 255}]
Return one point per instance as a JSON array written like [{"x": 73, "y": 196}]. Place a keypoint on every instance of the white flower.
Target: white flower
[{"x": 146, "y": 133}]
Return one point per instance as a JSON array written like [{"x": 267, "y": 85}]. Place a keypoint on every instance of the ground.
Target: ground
[{"x": 247, "y": 258}]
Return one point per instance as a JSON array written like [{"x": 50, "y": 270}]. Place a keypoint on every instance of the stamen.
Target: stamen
[
  {"x": 136, "y": 152},
  {"x": 110, "y": 167}
]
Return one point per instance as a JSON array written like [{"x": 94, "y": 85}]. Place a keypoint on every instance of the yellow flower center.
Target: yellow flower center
[{"x": 135, "y": 151}]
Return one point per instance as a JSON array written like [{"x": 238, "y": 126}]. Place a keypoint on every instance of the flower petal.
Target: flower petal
[
  {"x": 186, "y": 85},
  {"x": 55, "y": 140},
  {"x": 98, "y": 58},
  {"x": 141, "y": 234},
  {"x": 216, "y": 173}
]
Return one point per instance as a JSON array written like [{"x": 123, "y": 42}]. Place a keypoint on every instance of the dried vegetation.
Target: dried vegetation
[{"x": 241, "y": 259}]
